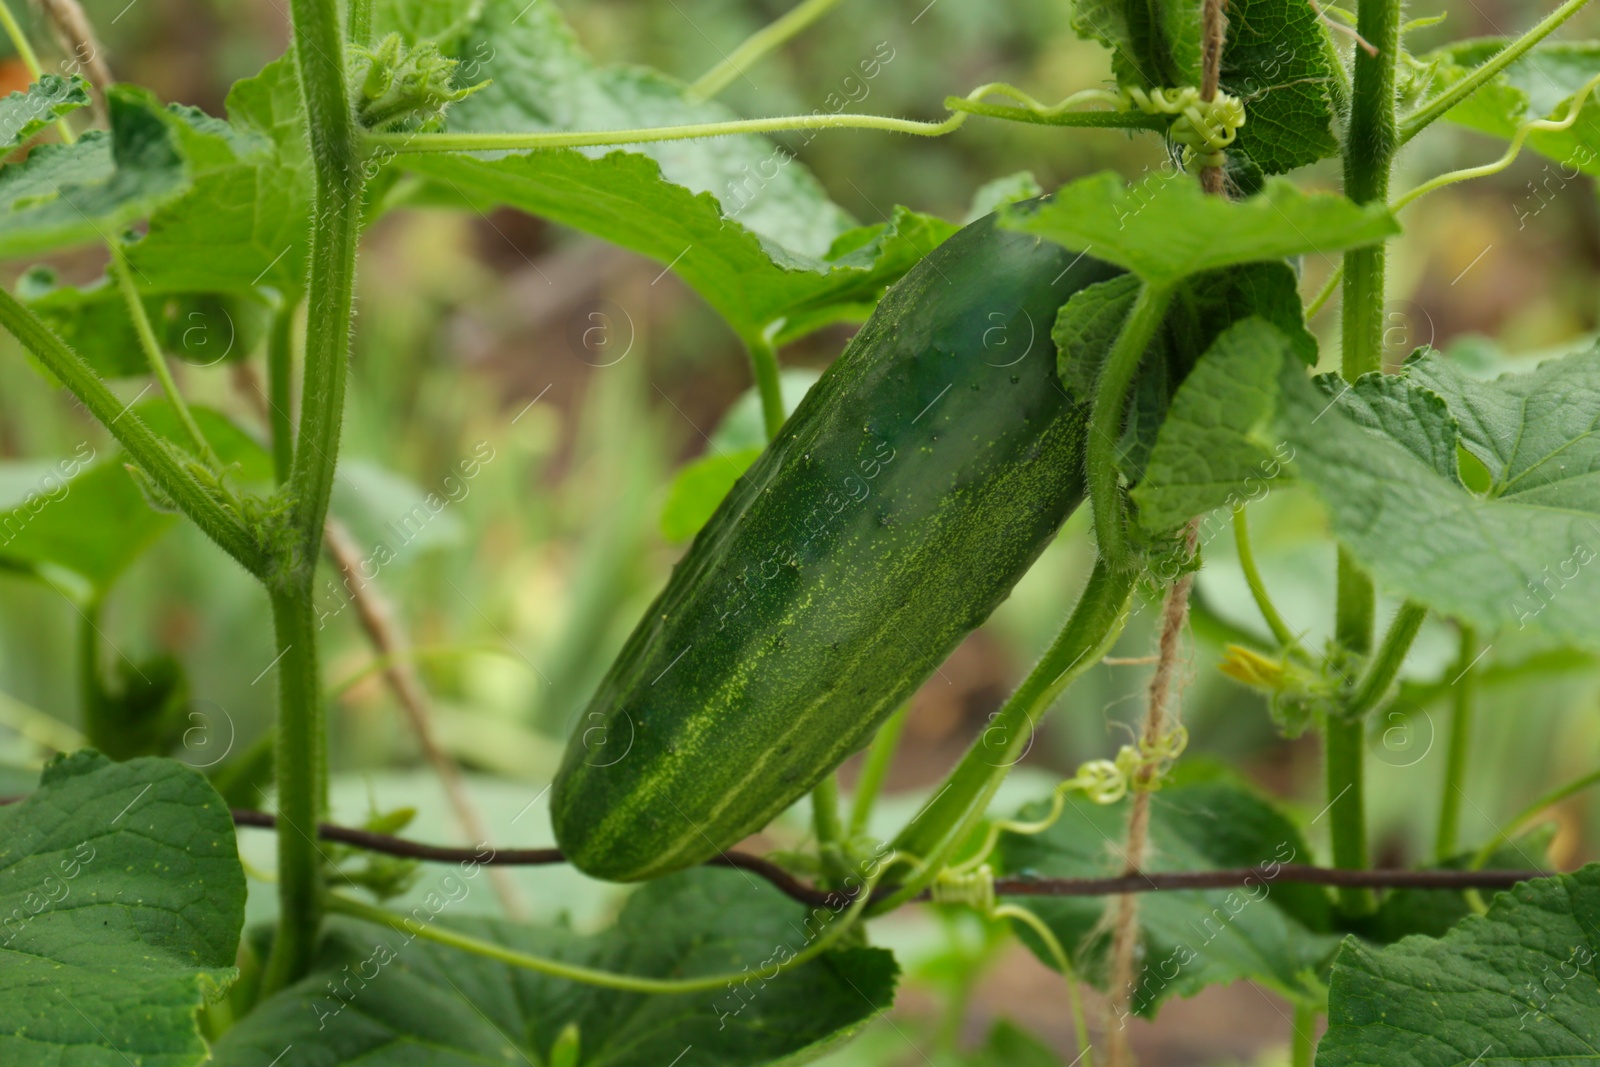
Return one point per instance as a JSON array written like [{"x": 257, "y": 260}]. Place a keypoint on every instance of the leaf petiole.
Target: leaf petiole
[
  {"x": 841, "y": 924},
  {"x": 1440, "y": 105},
  {"x": 758, "y": 44}
]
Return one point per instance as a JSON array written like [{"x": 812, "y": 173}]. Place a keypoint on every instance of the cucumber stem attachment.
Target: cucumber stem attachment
[
  {"x": 929, "y": 839},
  {"x": 1105, "y": 420}
]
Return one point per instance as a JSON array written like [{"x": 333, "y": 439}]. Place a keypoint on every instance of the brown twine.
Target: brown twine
[
  {"x": 75, "y": 34},
  {"x": 1157, "y": 721}
]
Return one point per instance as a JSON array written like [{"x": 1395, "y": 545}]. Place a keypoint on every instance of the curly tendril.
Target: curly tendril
[{"x": 1205, "y": 128}]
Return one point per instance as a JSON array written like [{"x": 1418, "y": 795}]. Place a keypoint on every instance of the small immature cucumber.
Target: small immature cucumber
[{"x": 919, "y": 479}]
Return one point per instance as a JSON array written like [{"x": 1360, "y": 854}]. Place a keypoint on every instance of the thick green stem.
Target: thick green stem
[
  {"x": 1368, "y": 159},
  {"x": 757, "y": 45},
  {"x": 150, "y": 452},
  {"x": 280, "y": 370},
  {"x": 1105, "y": 421},
  {"x": 1385, "y": 665},
  {"x": 769, "y": 382},
  {"x": 302, "y": 757},
  {"x": 1346, "y": 772},
  {"x": 957, "y": 807},
  {"x": 1370, "y": 144},
  {"x": 1347, "y": 809},
  {"x": 360, "y": 21},
  {"x": 876, "y": 768},
  {"x": 1440, "y": 105},
  {"x": 98, "y": 729},
  {"x": 1258, "y": 588},
  {"x": 829, "y": 830},
  {"x": 1464, "y": 694},
  {"x": 302, "y": 780},
  {"x": 1303, "y": 1043}
]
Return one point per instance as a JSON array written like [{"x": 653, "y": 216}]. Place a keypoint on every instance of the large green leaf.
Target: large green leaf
[
  {"x": 1269, "y": 933},
  {"x": 1216, "y": 444},
  {"x": 76, "y": 515},
  {"x": 1276, "y": 59},
  {"x": 1536, "y": 86},
  {"x": 737, "y": 218},
  {"x": 424, "y": 1004},
  {"x": 1383, "y": 458},
  {"x": 122, "y": 898},
  {"x": 84, "y": 514},
  {"x": 1153, "y": 45},
  {"x": 200, "y": 329},
  {"x": 1203, "y": 307},
  {"x": 87, "y": 191},
  {"x": 245, "y": 221},
  {"x": 25, "y": 113},
  {"x": 1517, "y": 986},
  {"x": 1167, "y": 228}
]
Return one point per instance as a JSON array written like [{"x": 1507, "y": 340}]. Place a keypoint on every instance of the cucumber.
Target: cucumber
[{"x": 915, "y": 484}]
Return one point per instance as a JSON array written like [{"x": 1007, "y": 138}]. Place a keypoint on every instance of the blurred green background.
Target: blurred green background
[{"x": 470, "y": 342}]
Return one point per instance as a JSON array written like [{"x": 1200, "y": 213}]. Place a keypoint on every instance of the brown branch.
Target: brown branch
[
  {"x": 787, "y": 883},
  {"x": 75, "y": 34}
]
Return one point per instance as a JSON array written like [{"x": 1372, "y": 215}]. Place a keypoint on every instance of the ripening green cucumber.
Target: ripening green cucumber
[{"x": 911, "y": 489}]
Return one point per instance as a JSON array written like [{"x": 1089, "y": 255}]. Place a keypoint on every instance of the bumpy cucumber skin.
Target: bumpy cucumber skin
[{"x": 919, "y": 479}]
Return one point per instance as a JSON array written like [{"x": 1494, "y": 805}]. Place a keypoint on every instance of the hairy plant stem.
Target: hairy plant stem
[
  {"x": 411, "y": 143},
  {"x": 302, "y": 756},
  {"x": 755, "y": 46},
  {"x": 769, "y": 382},
  {"x": 152, "y": 454},
  {"x": 1380, "y": 673},
  {"x": 280, "y": 369},
  {"x": 1370, "y": 144},
  {"x": 1105, "y": 421},
  {"x": 936, "y": 831},
  {"x": 360, "y": 22},
  {"x": 1464, "y": 687},
  {"x": 1258, "y": 588},
  {"x": 99, "y": 731},
  {"x": 1303, "y": 1042},
  {"x": 875, "y": 768},
  {"x": 301, "y": 769},
  {"x": 157, "y": 361},
  {"x": 1481, "y": 75},
  {"x": 829, "y": 830}
]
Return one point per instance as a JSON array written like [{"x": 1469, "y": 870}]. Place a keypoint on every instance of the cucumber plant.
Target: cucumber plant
[{"x": 1142, "y": 346}]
